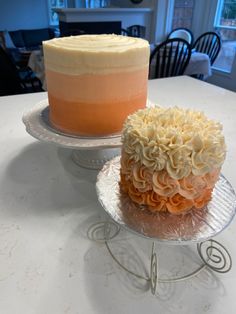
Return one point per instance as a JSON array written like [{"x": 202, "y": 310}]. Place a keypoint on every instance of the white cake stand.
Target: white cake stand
[{"x": 87, "y": 152}]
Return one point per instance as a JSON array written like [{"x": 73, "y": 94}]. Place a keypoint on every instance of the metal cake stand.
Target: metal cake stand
[
  {"x": 87, "y": 152},
  {"x": 197, "y": 226}
]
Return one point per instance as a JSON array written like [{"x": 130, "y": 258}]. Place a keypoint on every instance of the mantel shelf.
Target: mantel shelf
[{"x": 102, "y": 10}]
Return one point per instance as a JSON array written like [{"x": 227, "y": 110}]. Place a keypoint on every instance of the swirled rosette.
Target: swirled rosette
[{"x": 171, "y": 158}]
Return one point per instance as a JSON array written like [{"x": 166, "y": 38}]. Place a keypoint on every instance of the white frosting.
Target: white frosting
[
  {"x": 177, "y": 140},
  {"x": 95, "y": 54}
]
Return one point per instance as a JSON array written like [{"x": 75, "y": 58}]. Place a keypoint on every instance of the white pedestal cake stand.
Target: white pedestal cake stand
[
  {"x": 197, "y": 226},
  {"x": 88, "y": 152}
]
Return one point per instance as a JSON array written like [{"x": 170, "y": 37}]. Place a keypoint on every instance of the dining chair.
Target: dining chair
[
  {"x": 136, "y": 31},
  {"x": 183, "y": 33},
  {"x": 210, "y": 44},
  {"x": 170, "y": 58},
  {"x": 124, "y": 32},
  {"x": 15, "y": 80}
]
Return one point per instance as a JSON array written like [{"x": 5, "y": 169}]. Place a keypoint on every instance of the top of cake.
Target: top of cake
[
  {"x": 180, "y": 141},
  {"x": 95, "y": 53}
]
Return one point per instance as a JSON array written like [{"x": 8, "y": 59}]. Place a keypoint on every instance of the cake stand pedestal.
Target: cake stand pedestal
[
  {"x": 88, "y": 152},
  {"x": 196, "y": 227}
]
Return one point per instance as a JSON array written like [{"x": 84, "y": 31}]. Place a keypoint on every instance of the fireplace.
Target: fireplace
[
  {"x": 80, "y": 28},
  {"x": 105, "y": 20}
]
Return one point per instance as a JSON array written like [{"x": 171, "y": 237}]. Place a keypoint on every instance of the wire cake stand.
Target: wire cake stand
[
  {"x": 88, "y": 152},
  {"x": 197, "y": 226}
]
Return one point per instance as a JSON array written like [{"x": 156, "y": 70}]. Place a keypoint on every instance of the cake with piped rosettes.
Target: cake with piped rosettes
[
  {"x": 95, "y": 81},
  {"x": 171, "y": 158}
]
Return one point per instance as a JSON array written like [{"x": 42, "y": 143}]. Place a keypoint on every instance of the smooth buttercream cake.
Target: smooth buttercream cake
[
  {"x": 171, "y": 158},
  {"x": 95, "y": 81}
]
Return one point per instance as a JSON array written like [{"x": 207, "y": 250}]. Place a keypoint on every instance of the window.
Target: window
[
  {"x": 226, "y": 14},
  {"x": 52, "y": 4},
  {"x": 225, "y": 24}
]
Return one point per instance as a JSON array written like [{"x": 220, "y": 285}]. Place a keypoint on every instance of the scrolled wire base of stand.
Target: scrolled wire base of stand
[{"x": 213, "y": 254}]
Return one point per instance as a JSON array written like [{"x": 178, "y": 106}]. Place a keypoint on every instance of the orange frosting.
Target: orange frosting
[
  {"x": 161, "y": 192},
  {"x": 176, "y": 204},
  {"x": 92, "y": 104}
]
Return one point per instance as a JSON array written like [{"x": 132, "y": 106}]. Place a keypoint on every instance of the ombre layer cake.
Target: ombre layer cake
[
  {"x": 95, "y": 81},
  {"x": 171, "y": 158}
]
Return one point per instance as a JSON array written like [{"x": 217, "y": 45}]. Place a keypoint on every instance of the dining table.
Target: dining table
[
  {"x": 199, "y": 64},
  {"x": 49, "y": 263},
  {"x": 36, "y": 64}
]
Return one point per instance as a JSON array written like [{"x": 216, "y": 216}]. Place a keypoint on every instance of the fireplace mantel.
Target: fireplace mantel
[{"x": 127, "y": 16}]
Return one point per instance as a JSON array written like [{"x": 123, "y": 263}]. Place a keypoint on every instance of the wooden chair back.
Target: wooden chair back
[
  {"x": 170, "y": 58},
  {"x": 210, "y": 44}
]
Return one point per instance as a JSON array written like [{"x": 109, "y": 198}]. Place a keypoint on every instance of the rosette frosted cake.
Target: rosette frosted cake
[
  {"x": 171, "y": 158},
  {"x": 95, "y": 81}
]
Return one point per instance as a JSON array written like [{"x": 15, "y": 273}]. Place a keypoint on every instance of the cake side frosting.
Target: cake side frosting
[
  {"x": 100, "y": 85},
  {"x": 177, "y": 140},
  {"x": 171, "y": 158},
  {"x": 96, "y": 54},
  {"x": 95, "y": 81}
]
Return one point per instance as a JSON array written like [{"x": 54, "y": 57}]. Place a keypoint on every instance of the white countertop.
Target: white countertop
[{"x": 47, "y": 263}]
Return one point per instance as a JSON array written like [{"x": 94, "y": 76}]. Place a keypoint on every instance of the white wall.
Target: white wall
[
  {"x": 114, "y": 3},
  {"x": 129, "y": 4},
  {"x": 23, "y": 14},
  {"x": 203, "y": 16},
  {"x": 225, "y": 80}
]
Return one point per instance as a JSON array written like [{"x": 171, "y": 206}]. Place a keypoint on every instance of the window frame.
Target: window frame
[{"x": 218, "y": 16}]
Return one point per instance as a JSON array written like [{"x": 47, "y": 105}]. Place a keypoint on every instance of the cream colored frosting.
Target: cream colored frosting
[
  {"x": 95, "y": 54},
  {"x": 144, "y": 179},
  {"x": 177, "y": 140}
]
